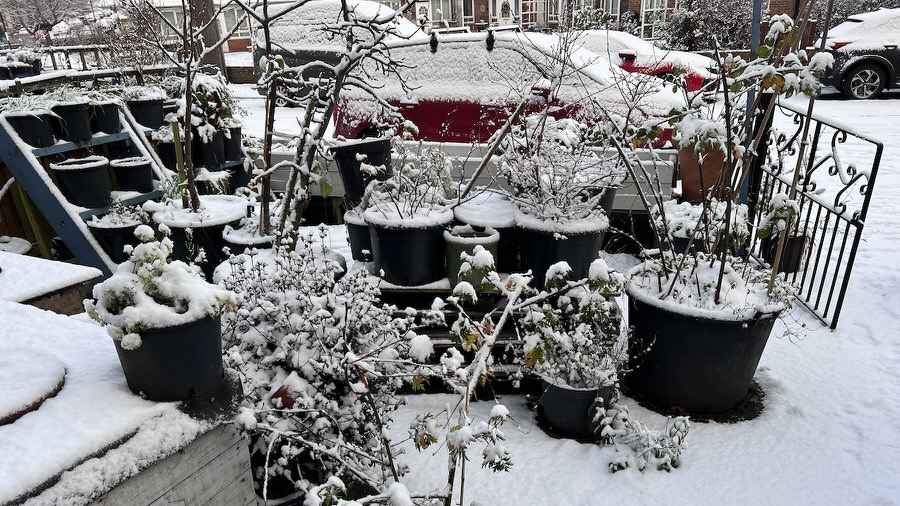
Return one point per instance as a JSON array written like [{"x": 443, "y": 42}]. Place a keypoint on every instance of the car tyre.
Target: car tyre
[{"x": 864, "y": 82}]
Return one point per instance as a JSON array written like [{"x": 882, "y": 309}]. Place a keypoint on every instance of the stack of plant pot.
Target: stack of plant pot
[
  {"x": 493, "y": 210},
  {"x": 462, "y": 241}
]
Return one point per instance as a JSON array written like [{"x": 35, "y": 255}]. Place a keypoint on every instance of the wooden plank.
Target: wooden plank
[{"x": 214, "y": 469}]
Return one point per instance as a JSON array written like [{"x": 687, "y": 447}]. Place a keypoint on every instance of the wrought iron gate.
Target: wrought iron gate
[{"x": 833, "y": 197}]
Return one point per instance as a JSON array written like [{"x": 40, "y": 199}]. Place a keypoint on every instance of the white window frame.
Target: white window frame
[
  {"x": 653, "y": 11},
  {"x": 237, "y": 12},
  {"x": 612, "y": 8},
  {"x": 442, "y": 12}
]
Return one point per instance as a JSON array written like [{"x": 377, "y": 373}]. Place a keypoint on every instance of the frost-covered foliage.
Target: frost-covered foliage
[
  {"x": 574, "y": 339},
  {"x": 703, "y": 222},
  {"x": 647, "y": 448},
  {"x": 321, "y": 363},
  {"x": 213, "y": 107},
  {"x": 781, "y": 212},
  {"x": 694, "y": 23},
  {"x": 554, "y": 175},
  {"x": 150, "y": 291}
]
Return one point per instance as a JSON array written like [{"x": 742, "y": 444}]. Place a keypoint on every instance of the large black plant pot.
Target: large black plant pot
[
  {"x": 166, "y": 152},
  {"x": 133, "y": 174},
  {"x": 694, "y": 365},
  {"x": 233, "y": 149},
  {"x": 212, "y": 153},
  {"x": 148, "y": 113},
  {"x": 377, "y": 152},
  {"x": 540, "y": 249},
  {"x": 409, "y": 256},
  {"x": 36, "y": 130},
  {"x": 208, "y": 238},
  {"x": 176, "y": 363},
  {"x": 84, "y": 182},
  {"x": 114, "y": 239},
  {"x": 568, "y": 411},
  {"x": 791, "y": 257},
  {"x": 75, "y": 121},
  {"x": 105, "y": 118}
]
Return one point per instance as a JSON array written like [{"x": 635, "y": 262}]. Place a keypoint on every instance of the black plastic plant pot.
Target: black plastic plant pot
[
  {"x": 36, "y": 67},
  {"x": 540, "y": 249},
  {"x": 114, "y": 239},
  {"x": 85, "y": 182},
  {"x": 75, "y": 121},
  {"x": 233, "y": 149},
  {"x": 35, "y": 129},
  {"x": 176, "y": 363},
  {"x": 567, "y": 411},
  {"x": 507, "y": 258},
  {"x": 22, "y": 70},
  {"x": 791, "y": 257},
  {"x": 133, "y": 174},
  {"x": 691, "y": 364},
  {"x": 463, "y": 240},
  {"x": 608, "y": 199},
  {"x": 6, "y": 73},
  {"x": 147, "y": 112},
  {"x": 208, "y": 238},
  {"x": 409, "y": 256},
  {"x": 166, "y": 152},
  {"x": 212, "y": 153},
  {"x": 377, "y": 152},
  {"x": 105, "y": 118},
  {"x": 360, "y": 242}
]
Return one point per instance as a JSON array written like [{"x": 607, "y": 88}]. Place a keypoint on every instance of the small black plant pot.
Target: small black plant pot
[
  {"x": 166, "y": 152},
  {"x": 233, "y": 149},
  {"x": 360, "y": 242},
  {"x": 176, "y": 363},
  {"x": 791, "y": 257},
  {"x": 114, "y": 239},
  {"x": 133, "y": 174},
  {"x": 694, "y": 365},
  {"x": 409, "y": 256},
  {"x": 75, "y": 121},
  {"x": 148, "y": 112},
  {"x": 236, "y": 247},
  {"x": 568, "y": 411},
  {"x": 85, "y": 182},
  {"x": 377, "y": 152},
  {"x": 540, "y": 249},
  {"x": 105, "y": 118},
  {"x": 208, "y": 238},
  {"x": 20, "y": 70},
  {"x": 212, "y": 153},
  {"x": 36, "y": 130}
]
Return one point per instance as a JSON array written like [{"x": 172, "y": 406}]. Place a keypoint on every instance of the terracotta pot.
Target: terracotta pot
[{"x": 691, "y": 170}]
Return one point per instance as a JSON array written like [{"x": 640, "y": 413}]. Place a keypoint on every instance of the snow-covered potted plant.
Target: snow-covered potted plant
[
  {"x": 246, "y": 233},
  {"x": 146, "y": 104},
  {"x": 35, "y": 125},
  {"x": 133, "y": 174},
  {"x": 105, "y": 115},
  {"x": 115, "y": 229},
  {"x": 782, "y": 211},
  {"x": 164, "y": 320},
  {"x": 212, "y": 114},
  {"x": 493, "y": 209},
  {"x": 701, "y": 156},
  {"x": 557, "y": 184},
  {"x": 359, "y": 161},
  {"x": 84, "y": 182},
  {"x": 464, "y": 242},
  {"x": 407, "y": 216},
  {"x": 573, "y": 342},
  {"x": 75, "y": 118},
  {"x": 699, "y": 226}
]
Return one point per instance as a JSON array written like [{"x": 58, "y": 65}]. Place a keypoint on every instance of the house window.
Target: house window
[
  {"x": 654, "y": 13},
  {"x": 175, "y": 19},
  {"x": 231, "y": 17},
  {"x": 441, "y": 12},
  {"x": 611, "y": 8},
  {"x": 503, "y": 12}
]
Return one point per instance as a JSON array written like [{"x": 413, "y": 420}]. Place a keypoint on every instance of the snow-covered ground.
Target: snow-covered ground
[{"x": 831, "y": 424}]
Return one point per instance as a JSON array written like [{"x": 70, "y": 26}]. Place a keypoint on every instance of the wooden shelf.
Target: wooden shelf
[
  {"x": 133, "y": 201},
  {"x": 65, "y": 147}
]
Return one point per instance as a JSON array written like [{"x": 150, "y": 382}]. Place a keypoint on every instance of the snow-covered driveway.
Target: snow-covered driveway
[{"x": 830, "y": 432}]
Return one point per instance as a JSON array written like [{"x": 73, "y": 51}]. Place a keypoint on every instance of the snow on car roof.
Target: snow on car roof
[
  {"x": 609, "y": 43},
  {"x": 869, "y": 26}
]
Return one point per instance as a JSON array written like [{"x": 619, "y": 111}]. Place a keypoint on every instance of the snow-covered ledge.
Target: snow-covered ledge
[{"x": 48, "y": 284}]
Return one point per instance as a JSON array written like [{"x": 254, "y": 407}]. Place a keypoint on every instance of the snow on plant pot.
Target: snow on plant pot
[
  {"x": 133, "y": 173},
  {"x": 146, "y": 104},
  {"x": 546, "y": 242},
  {"x": 690, "y": 352},
  {"x": 115, "y": 229},
  {"x": 210, "y": 144},
  {"x": 358, "y": 234},
  {"x": 105, "y": 117},
  {"x": 409, "y": 248},
  {"x": 361, "y": 161},
  {"x": 35, "y": 128},
  {"x": 497, "y": 211},
  {"x": 573, "y": 342},
  {"x": 781, "y": 212},
  {"x": 699, "y": 226},
  {"x": 74, "y": 120},
  {"x": 197, "y": 235},
  {"x": 85, "y": 182},
  {"x": 164, "y": 320},
  {"x": 462, "y": 243},
  {"x": 246, "y": 234}
]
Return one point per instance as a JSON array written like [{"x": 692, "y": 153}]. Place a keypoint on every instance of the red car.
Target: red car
[
  {"x": 463, "y": 92},
  {"x": 634, "y": 54}
]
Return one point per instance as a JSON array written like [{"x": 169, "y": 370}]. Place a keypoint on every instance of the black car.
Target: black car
[{"x": 866, "y": 54}]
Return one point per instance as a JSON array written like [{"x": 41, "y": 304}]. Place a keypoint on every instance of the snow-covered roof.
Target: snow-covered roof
[
  {"x": 868, "y": 29},
  {"x": 609, "y": 43},
  {"x": 25, "y": 277}
]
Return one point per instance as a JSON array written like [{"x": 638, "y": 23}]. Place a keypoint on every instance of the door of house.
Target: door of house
[{"x": 482, "y": 14}]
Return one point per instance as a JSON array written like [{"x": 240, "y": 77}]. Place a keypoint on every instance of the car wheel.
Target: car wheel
[
  {"x": 281, "y": 102},
  {"x": 864, "y": 82}
]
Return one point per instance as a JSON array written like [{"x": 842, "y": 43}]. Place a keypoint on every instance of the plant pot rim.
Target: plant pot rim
[
  {"x": 145, "y": 99},
  {"x": 550, "y": 382},
  {"x": 32, "y": 113},
  {"x": 582, "y": 226},
  {"x": 487, "y": 208},
  {"x": 189, "y": 323},
  {"x": 725, "y": 315},
  {"x": 229, "y": 234},
  {"x": 435, "y": 218},
  {"x": 220, "y": 210},
  {"x": 100, "y": 226},
  {"x": 489, "y": 236},
  {"x": 70, "y": 103},
  {"x": 357, "y": 142},
  {"x": 79, "y": 164},
  {"x": 131, "y": 161},
  {"x": 355, "y": 217}
]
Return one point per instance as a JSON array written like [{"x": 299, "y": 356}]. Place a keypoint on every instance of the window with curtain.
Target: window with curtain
[
  {"x": 654, "y": 13},
  {"x": 231, "y": 17},
  {"x": 441, "y": 10}
]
